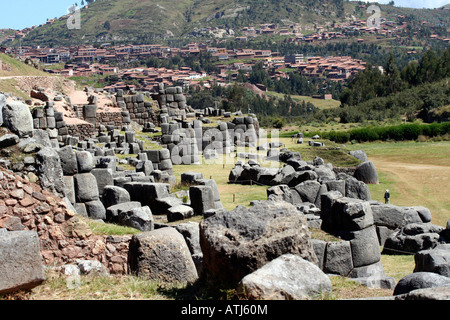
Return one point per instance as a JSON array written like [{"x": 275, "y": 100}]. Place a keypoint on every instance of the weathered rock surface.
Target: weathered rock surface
[
  {"x": 239, "y": 242},
  {"x": 420, "y": 280},
  {"x": 140, "y": 218},
  {"x": 49, "y": 170},
  {"x": 366, "y": 172},
  {"x": 17, "y": 118},
  {"x": 162, "y": 255},
  {"x": 288, "y": 277},
  {"x": 21, "y": 263},
  {"x": 435, "y": 260}
]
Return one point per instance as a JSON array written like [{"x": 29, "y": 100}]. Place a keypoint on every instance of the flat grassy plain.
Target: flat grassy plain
[
  {"x": 318, "y": 103},
  {"x": 416, "y": 173}
]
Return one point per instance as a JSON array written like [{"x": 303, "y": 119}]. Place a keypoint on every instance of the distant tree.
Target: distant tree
[
  {"x": 107, "y": 25},
  {"x": 393, "y": 79}
]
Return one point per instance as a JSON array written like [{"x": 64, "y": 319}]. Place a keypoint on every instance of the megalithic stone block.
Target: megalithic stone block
[{"x": 21, "y": 263}]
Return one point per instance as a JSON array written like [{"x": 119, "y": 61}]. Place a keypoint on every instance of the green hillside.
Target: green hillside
[
  {"x": 153, "y": 20},
  {"x": 14, "y": 68}
]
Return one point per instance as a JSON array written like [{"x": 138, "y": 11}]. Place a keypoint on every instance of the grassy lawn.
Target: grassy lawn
[
  {"x": 319, "y": 103},
  {"x": 417, "y": 174},
  {"x": 231, "y": 195}
]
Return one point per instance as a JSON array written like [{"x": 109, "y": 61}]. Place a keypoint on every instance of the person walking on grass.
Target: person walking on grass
[{"x": 386, "y": 196}]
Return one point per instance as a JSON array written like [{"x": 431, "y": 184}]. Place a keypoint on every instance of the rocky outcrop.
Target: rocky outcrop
[
  {"x": 162, "y": 255},
  {"x": 288, "y": 277},
  {"x": 239, "y": 242},
  {"x": 21, "y": 265},
  {"x": 17, "y": 118}
]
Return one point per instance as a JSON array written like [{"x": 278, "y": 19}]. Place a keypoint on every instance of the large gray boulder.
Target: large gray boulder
[
  {"x": 283, "y": 192},
  {"x": 434, "y": 293},
  {"x": 104, "y": 177},
  {"x": 356, "y": 189},
  {"x": 344, "y": 214},
  {"x": 359, "y": 154},
  {"x": 21, "y": 263},
  {"x": 2, "y": 105},
  {"x": 239, "y": 242},
  {"x": 85, "y": 187},
  {"x": 95, "y": 210},
  {"x": 17, "y": 118},
  {"x": 413, "y": 238},
  {"x": 113, "y": 212},
  {"x": 288, "y": 277},
  {"x": 364, "y": 246},
  {"x": 420, "y": 280},
  {"x": 395, "y": 217},
  {"x": 435, "y": 260},
  {"x": 179, "y": 212},
  {"x": 140, "y": 218},
  {"x": 42, "y": 137},
  {"x": 85, "y": 161},
  {"x": 366, "y": 172},
  {"x": 202, "y": 198},
  {"x": 191, "y": 233},
  {"x": 338, "y": 258},
  {"x": 68, "y": 160},
  {"x": 163, "y": 255},
  {"x": 308, "y": 190},
  {"x": 49, "y": 171},
  {"x": 113, "y": 195},
  {"x": 148, "y": 193},
  {"x": 191, "y": 177}
]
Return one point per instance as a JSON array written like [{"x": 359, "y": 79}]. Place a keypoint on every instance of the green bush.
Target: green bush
[{"x": 410, "y": 131}]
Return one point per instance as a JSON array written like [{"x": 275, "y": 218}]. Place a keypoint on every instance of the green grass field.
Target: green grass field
[
  {"x": 318, "y": 103},
  {"x": 416, "y": 173}
]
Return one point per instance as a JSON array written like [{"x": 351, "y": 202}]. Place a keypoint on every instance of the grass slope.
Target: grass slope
[{"x": 17, "y": 68}]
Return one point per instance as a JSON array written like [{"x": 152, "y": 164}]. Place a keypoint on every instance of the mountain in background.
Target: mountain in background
[{"x": 151, "y": 21}]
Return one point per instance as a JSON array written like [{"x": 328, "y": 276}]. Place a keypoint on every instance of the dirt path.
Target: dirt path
[{"x": 419, "y": 184}]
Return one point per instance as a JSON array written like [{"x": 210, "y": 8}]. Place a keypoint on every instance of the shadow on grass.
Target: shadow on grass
[{"x": 198, "y": 290}]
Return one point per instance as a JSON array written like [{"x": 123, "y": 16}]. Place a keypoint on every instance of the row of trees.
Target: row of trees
[
  {"x": 236, "y": 97},
  {"x": 295, "y": 84},
  {"x": 372, "y": 83},
  {"x": 403, "y": 132}
]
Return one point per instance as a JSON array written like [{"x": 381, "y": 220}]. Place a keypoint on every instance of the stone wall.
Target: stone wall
[
  {"x": 139, "y": 110},
  {"x": 172, "y": 102},
  {"x": 53, "y": 122},
  {"x": 187, "y": 140},
  {"x": 81, "y": 131},
  {"x": 115, "y": 119},
  {"x": 64, "y": 236}
]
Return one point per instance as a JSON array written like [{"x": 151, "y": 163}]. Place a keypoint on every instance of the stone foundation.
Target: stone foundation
[{"x": 64, "y": 236}]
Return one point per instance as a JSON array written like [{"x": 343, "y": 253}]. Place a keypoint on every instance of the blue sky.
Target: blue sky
[
  {"x": 415, "y": 3},
  {"x": 20, "y": 14}
]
